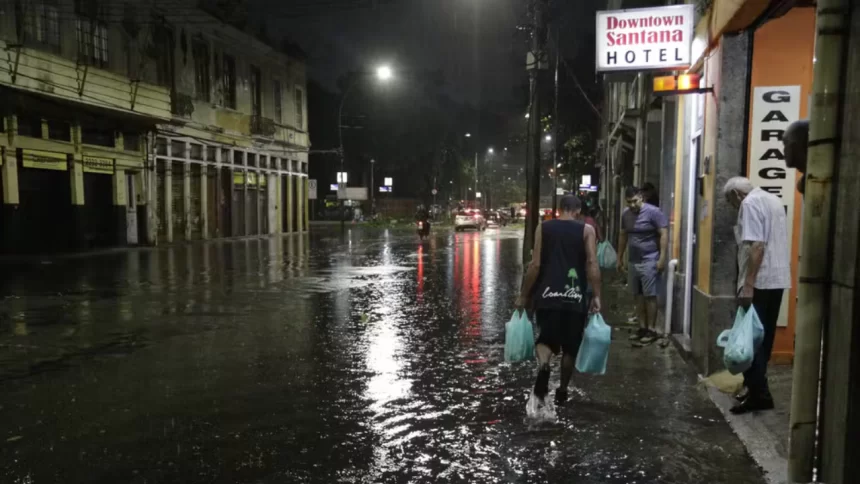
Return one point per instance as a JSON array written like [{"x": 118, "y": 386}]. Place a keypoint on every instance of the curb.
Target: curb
[{"x": 760, "y": 443}]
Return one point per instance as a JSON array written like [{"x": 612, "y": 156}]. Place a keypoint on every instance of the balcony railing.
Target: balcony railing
[
  {"x": 261, "y": 126},
  {"x": 182, "y": 105}
]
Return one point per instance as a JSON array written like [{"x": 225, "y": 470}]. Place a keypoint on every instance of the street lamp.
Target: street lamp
[
  {"x": 490, "y": 150},
  {"x": 383, "y": 73},
  {"x": 549, "y": 137},
  {"x": 468, "y": 135}
]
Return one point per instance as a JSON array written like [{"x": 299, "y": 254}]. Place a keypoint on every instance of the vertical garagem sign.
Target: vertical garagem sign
[{"x": 645, "y": 38}]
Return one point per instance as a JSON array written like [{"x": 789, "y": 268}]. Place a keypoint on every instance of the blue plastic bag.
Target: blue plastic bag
[
  {"x": 519, "y": 338},
  {"x": 594, "y": 350},
  {"x": 742, "y": 341},
  {"x": 607, "y": 258}
]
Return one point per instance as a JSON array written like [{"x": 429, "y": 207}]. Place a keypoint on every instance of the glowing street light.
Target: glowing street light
[
  {"x": 549, "y": 137},
  {"x": 490, "y": 150},
  {"x": 384, "y": 73},
  {"x": 468, "y": 135},
  {"x": 527, "y": 115}
]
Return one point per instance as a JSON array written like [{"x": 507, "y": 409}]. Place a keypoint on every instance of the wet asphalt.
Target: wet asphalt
[{"x": 357, "y": 357}]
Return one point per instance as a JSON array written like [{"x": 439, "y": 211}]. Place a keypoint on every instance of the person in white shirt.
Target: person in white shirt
[{"x": 764, "y": 273}]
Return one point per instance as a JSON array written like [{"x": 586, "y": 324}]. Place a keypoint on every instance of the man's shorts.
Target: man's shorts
[
  {"x": 642, "y": 278},
  {"x": 561, "y": 329}
]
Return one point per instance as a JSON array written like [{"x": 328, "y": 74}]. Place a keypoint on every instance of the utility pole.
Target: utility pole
[
  {"x": 534, "y": 63},
  {"x": 476, "y": 179},
  {"x": 639, "y": 154},
  {"x": 555, "y": 131},
  {"x": 823, "y": 310}
]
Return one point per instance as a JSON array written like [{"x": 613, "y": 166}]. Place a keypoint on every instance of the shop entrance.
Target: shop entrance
[
  {"x": 161, "y": 200},
  {"x": 178, "y": 217},
  {"x": 45, "y": 210},
  {"x": 131, "y": 210}
]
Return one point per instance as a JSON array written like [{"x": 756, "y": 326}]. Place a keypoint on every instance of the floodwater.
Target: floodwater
[{"x": 357, "y": 357}]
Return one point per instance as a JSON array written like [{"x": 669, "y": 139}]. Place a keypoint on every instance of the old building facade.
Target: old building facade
[{"x": 127, "y": 124}]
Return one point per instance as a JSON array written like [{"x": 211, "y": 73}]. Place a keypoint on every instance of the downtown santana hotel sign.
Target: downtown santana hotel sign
[{"x": 658, "y": 38}]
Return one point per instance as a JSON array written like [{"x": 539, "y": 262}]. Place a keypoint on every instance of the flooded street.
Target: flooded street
[{"x": 363, "y": 357}]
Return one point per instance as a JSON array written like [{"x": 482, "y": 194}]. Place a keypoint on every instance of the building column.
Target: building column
[
  {"x": 11, "y": 200},
  {"x": 186, "y": 198},
  {"x": 274, "y": 200},
  {"x": 289, "y": 208},
  {"x": 168, "y": 198},
  {"x": 219, "y": 195},
  {"x": 307, "y": 204},
  {"x": 76, "y": 179},
  {"x": 120, "y": 201},
  {"x": 149, "y": 182},
  {"x": 246, "y": 207},
  {"x": 300, "y": 204},
  {"x": 713, "y": 307},
  {"x": 204, "y": 201}
]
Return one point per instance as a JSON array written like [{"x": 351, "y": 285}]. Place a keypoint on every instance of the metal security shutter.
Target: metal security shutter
[
  {"x": 253, "y": 209},
  {"x": 264, "y": 203},
  {"x": 212, "y": 203},
  {"x": 196, "y": 215},
  {"x": 238, "y": 204},
  {"x": 161, "y": 202},
  {"x": 178, "y": 219}
]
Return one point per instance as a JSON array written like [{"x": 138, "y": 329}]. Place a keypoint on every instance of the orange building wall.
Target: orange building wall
[{"x": 782, "y": 56}]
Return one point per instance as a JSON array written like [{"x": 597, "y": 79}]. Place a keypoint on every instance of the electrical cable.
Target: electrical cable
[{"x": 581, "y": 90}]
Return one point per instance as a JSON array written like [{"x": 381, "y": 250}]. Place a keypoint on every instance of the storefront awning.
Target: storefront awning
[
  {"x": 14, "y": 100},
  {"x": 727, "y": 16}
]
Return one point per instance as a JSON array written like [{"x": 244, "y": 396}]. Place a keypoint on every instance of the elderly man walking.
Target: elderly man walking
[{"x": 764, "y": 273}]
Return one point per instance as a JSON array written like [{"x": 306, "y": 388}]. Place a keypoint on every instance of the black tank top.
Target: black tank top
[{"x": 562, "y": 279}]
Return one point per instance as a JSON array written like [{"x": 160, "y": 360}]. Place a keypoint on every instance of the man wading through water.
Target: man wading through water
[{"x": 563, "y": 261}]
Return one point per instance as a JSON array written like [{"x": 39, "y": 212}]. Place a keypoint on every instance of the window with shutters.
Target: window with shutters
[
  {"x": 39, "y": 23},
  {"x": 92, "y": 33},
  {"x": 300, "y": 109},
  {"x": 228, "y": 81},
  {"x": 202, "y": 81},
  {"x": 276, "y": 87}
]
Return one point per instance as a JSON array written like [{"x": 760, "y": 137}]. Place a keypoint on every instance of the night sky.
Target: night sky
[{"x": 474, "y": 42}]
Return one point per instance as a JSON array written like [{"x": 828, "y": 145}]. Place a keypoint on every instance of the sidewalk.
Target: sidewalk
[{"x": 764, "y": 434}]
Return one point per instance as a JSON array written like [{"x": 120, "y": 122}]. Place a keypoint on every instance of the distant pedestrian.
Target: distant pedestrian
[
  {"x": 564, "y": 260},
  {"x": 650, "y": 195},
  {"x": 587, "y": 216},
  {"x": 646, "y": 229},
  {"x": 764, "y": 273}
]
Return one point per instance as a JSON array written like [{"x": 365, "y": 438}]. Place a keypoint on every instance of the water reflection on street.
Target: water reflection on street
[{"x": 362, "y": 356}]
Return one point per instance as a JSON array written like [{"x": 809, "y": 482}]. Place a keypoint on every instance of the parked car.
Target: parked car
[{"x": 469, "y": 219}]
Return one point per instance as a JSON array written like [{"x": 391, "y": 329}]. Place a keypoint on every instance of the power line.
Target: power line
[{"x": 581, "y": 90}]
